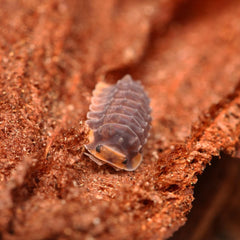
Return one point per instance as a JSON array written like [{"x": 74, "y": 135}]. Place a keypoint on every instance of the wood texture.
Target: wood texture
[{"x": 52, "y": 55}]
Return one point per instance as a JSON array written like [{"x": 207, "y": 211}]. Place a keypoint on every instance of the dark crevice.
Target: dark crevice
[
  {"x": 172, "y": 188},
  {"x": 146, "y": 202},
  {"x": 22, "y": 193},
  {"x": 25, "y": 191},
  {"x": 190, "y": 11},
  {"x": 214, "y": 194}
]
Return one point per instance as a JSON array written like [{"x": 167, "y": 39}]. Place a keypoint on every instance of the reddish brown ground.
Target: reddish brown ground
[{"x": 52, "y": 54}]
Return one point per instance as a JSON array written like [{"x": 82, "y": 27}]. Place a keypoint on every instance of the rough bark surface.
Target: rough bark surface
[{"x": 52, "y": 54}]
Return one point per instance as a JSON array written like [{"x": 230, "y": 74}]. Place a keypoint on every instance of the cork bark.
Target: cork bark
[{"x": 53, "y": 53}]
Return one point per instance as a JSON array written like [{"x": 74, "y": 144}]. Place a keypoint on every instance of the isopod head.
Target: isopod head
[{"x": 112, "y": 149}]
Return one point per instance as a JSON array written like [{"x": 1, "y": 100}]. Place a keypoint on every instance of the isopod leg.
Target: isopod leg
[{"x": 99, "y": 162}]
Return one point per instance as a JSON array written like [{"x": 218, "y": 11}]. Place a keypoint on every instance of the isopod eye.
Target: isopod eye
[
  {"x": 125, "y": 161},
  {"x": 98, "y": 148}
]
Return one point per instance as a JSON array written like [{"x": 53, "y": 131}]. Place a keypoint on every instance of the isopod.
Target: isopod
[{"x": 119, "y": 120}]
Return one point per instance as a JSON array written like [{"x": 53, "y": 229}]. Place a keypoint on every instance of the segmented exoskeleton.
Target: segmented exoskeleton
[{"x": 119, "y": 121}]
